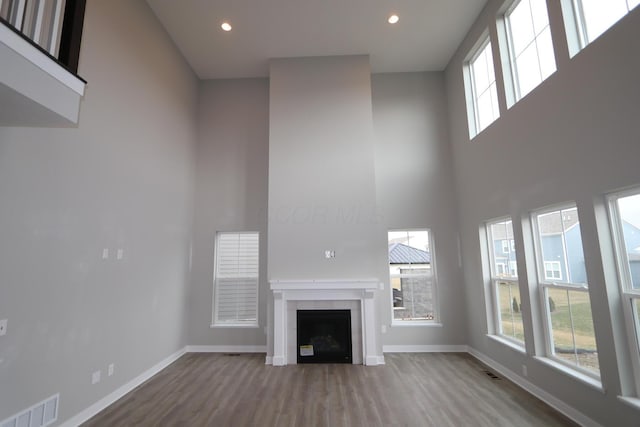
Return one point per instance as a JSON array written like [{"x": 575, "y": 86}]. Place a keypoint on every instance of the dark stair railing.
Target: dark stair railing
[{"x": 53, "y": 26}]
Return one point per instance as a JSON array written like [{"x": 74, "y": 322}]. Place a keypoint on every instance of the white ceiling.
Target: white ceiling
[{"x": 426, "y": 37}]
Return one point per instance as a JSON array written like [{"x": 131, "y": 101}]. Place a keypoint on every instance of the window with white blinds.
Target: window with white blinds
[{"x": 235, "y": 296}]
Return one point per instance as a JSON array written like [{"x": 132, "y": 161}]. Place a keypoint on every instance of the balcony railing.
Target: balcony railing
[{"x": 54, "y": 26}]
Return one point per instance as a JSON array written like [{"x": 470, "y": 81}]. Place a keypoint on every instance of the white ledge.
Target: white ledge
[{"x": 285, "y": 285}]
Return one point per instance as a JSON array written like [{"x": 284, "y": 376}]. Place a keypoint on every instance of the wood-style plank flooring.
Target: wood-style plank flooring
[{"x": 419, "y": 389}]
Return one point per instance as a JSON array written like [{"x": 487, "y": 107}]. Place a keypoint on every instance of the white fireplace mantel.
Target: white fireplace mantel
[{"x": 285, "y": 291}]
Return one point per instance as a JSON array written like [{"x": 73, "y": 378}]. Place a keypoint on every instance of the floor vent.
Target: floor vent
[
  {"x": 492, "y": 375},
  {"x": 232, "y": 354},
  {"x": 40, "y": 415}
]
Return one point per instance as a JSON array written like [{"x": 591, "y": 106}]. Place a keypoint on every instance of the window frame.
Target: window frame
[
  {"x": 513, "y": 79},
  {"x": 627, "y": 293},
  {"x": 215, "y": 321},
  {"x": 544, "y": 285},
  {"x": 435, "y": 293},
  {"x": 473, "y": 111},
  {"x": 495, "y": 279}
]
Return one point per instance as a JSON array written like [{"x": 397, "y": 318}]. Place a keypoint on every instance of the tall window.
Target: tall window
[
  {"x": 482, "y": 92},
  {"x": 412, "y": 276},
  {"x": 235, "y": 296},
  {"x": 563, "y": 284},
  {"x": 504, "y": 281},
  {"x": 594, "y": 17},
  {"x": 625, "y": 218},
  {"x": 530, "y": 46}
]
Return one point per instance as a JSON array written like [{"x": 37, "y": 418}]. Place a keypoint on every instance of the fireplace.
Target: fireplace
[
  {"x": 324, "y": 336},
  {"x": 355, "y": 296}
]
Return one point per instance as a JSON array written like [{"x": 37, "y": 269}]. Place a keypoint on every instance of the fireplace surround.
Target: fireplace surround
[{"x": 358, "y": 296}]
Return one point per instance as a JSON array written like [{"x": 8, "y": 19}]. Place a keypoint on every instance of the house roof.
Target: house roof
[{"x": 400, "y": 253}]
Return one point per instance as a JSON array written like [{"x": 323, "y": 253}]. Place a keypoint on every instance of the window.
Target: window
[
  {"x": 235, "y": 296},
  {"x": 504, "y": 283},
  {"x": 568, "y": 317},
  {"x": 530, "y": 46},
  {"x": 625, "y": 218},
  {"x": 552, "y": 270},
  {"x": 482, "y": 91},
  {"x": 412, "y": 276},
  {"x": 591, "y": 18}
]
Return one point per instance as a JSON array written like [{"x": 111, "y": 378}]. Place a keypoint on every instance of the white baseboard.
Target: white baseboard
[
  {"x": 268, "y": 360},
  {"x": 549, "y": 399},
  {"x": 226, "y": 349},
  {"x": 121, "y": 391},
  {"x": 424, "y": 348},
  {"x": 381, "y": 360}
]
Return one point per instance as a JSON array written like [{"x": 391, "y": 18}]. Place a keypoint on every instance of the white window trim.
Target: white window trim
[
  {"x": 215, "y": 323},
  {"x": 543, "y": 285},
  {"x": 436, "y": 297},
  {"x": 624, "y": 279},
  {"x": 495, "y": 279}
]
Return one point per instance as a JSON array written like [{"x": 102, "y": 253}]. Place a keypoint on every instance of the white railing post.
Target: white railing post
[
  {"x": 18, "y": 13},
  {"x": 37, "y": 26},
  {"x": 55, "y": 28}
]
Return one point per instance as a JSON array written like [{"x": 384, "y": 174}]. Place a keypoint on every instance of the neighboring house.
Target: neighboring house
[
  {"x": 504, "y": 252},
  {"x": 556, "y": 267},
  {"x": 411, "y": 281}
]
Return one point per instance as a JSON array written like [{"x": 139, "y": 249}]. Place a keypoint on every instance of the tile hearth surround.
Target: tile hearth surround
[{"x": 355, "y": 295}]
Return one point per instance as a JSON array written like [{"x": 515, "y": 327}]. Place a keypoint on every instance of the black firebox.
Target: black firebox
[{"x": 324, "y": 336}]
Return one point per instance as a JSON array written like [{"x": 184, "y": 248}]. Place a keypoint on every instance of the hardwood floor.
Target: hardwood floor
[{"x": 418, "y": 389}]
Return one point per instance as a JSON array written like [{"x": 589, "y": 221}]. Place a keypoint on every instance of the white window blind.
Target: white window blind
[{"x": 236, "y": 279}]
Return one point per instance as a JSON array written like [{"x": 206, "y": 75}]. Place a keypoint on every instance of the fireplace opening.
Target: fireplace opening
[{"x": 324, "y": 336}]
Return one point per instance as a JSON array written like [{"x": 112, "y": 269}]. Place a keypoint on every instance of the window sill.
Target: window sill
[
  {"x": 234, "y": 325},
  {"x": 509, "y": 343},
  {"x": 584, "y": 378},
  {"x": 633, "y": 402},
  {"x": 404, "y": 323}
]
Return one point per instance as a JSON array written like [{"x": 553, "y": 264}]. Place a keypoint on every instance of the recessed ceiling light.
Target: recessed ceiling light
[
  {"x": 393, "y": 19},
  {"x": 226, "y": 26}
]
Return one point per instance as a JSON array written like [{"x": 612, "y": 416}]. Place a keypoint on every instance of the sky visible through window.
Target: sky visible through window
[
  {"x": 599, "y": 15},
  {"x": 485, "y": 94},
  {"x": 531, "y": 45}
]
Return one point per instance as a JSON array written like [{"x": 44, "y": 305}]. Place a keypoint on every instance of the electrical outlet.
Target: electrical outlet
[
  {"x": 95, "y": 377},
  {"x": 120, "y": 254},
  {"x": 329, "y": 254},
  {"x": 111, "y": 369},
  {"x": 105, "y": 253},
  {"x": 3, "y": 326}
]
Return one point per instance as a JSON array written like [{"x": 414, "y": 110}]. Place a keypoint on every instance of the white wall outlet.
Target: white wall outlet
[
  {"x": 329, "y": 254},
  {"x": 524, "y": 370},
  {"x": 105, "y": 253},
  {"x": 120, "y": 254},
  {"x": 95, "y": 377},
  {"x": 3, "y": 326},
  {"x": 111, "y": 369}
]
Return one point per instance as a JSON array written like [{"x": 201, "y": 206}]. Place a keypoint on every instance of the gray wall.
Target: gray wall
[
  {"x": 572, "y": 139},
  {"x": 122, "y": 179},
  {"x": 321, "y": 170},
  {"x": 415, "y": 189},
  {"x": 231, "y": 194}
]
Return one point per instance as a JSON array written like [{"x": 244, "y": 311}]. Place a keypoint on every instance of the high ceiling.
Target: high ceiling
[{"x": 424, "y": 39}]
